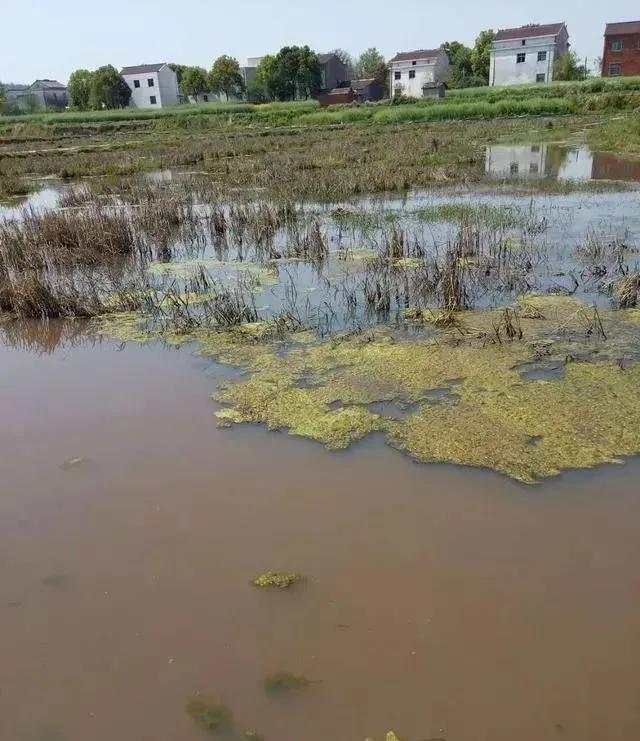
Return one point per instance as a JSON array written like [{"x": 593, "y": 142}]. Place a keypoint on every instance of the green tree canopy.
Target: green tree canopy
[
  {"x": 79, "y": 88},
  {"x": 292, "y": 73},
  {"x": 108, "y": 89},
  {"x": 568, "y": 67},
  {"x": 194, "y": 82},
  {"x": 225, "y": 76},
  {"x": 481, "y": 54},
  {"x": 370, "y": 64}
]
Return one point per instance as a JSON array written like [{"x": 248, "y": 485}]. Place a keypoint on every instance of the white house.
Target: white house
[
  {"x": 152, "y": 85},
  {"x": 526, "y": 54},
  {"x": 412, "y": 70}
]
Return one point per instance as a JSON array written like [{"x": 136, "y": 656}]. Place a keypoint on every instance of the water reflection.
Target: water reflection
[
  {"x": 556, "y": 162},
  {"x": 45, "y": 337}
]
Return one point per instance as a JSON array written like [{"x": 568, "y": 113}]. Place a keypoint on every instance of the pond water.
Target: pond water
[
  {"x": 558, "y": 162},
  {"x": 445, "y": 603},
  {"x": 441, "y": 602}
]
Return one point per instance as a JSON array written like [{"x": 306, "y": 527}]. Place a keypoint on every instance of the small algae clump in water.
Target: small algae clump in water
[
  {"x": 285, "y": 682},
  {"x": 277, "y": 580},
  {"x": 210, "y": 715}
]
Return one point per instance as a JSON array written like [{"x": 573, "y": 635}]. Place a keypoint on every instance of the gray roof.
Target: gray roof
[
  {"x": 10, "y": 86},
  {"x": 619, "y": 29},
  {"x": 142, "y": 69},
  {"x": 530, "y": 31},
  {"x": 48, "y": 85},
  {"x": 360, "y": 84},
  {"x": 410, "y": 56}
]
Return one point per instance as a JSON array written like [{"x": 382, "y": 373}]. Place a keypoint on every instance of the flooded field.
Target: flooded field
[{"x": 215, "y": 402}]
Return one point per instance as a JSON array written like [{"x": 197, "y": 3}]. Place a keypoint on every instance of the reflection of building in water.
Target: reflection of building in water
[
  {"x": 610, "y": 167},
  {"x": 538, "y": 161}
]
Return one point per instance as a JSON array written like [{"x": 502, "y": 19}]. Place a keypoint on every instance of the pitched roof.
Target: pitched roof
[
  {"x": 410, "y": 56},
  {"x": 142, "y": 69},
  {"x": 532, "y": 30},
  {"x": 48, "y": 85},
  {"x": 360, "y": 84},
  {"x": 618, "y": 29},
  {"x": 339, "y": 91}
]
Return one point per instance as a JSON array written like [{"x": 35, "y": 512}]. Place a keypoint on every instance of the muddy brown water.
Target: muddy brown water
[{"x": 442, "y": 602}]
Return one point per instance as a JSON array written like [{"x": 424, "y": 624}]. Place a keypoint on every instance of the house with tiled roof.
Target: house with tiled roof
[
  {"x": 151, "y": 85},
  {"x": 40, "y": 95},
  {"x": 527, "y": 53},
  {"x": 413, "y": 71},
  {"x": 621, "y": 56}
]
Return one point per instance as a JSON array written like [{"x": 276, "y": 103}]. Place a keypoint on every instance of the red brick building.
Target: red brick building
[{"x": 621, "y": 57}]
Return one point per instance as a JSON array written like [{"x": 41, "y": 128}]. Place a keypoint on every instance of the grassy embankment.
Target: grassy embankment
[{"x": 486, "y": 102}]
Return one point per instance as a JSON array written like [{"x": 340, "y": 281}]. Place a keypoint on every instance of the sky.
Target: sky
[{"x": 47, "y": 39}]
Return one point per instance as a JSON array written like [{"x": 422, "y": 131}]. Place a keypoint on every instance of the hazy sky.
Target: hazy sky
[{"x": 47, "y": 38}]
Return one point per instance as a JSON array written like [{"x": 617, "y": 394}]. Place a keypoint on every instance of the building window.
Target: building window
[
  {"x": 413, "y": 63},
  {"x": 205, "y": 98},
  {"x": 541, "y": 77},
  {"x": 520, "y": 58},
  {"x": 514, "y": 168},
  {"x": 412, "y": 74},
  {"x": 136, "y": 83},
  {"x": 524, "y": 43},
  {"x": 616, "y": 45},
  {"x": 397, "y": 75},
  {"x": 150, "y": 82},
  {"x": 152, "y": 99},
  {"x": 615, "y": 70},
  {"x": 542, "y": 56},
  {"x": 534, "y": 168},
  {"x": 535, "y": 148}
]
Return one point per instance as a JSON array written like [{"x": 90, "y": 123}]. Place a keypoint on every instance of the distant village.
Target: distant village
[{"x": 514, "y": 56}]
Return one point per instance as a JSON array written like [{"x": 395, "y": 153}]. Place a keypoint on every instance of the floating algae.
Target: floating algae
[
  {"x": 210, "y": 715},
  {"x": 277, "y": 580},
  {"x": 324, "y": 389}
]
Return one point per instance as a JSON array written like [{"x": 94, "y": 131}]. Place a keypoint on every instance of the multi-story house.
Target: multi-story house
[
  {"x": 41, "y": 94},
  {"x": 621, "y": 56},
  {"x": 152, "y": 85},
  {"x": 414, "y": 72},
  {"x": 527, "y": 54},
  {"x": 333, "y": 71}
]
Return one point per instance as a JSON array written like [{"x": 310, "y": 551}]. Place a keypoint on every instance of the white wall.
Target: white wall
[
  {"x": 424, "y": 72},
  {"x": 168, "y": 86},
  {"x": 164, "y": 88},
  {"x": 505, "y": 69}
]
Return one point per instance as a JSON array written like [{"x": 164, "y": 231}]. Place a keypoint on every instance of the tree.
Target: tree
[
  {"x": 481, "y": 55},
  {"x": 370, "y": 64},
  {"x": 179, "y": 69},
  {"x": 308, "y": 75},
  {"x": 266, "y": 83},
  {"x": 568, "y": 67},
  {"x": 79, "y": 87},
  {"x": 108, "y": 89},
  {"x": 461, "y": 74},
  {"x": 226, "y": 77},
  {"x": 194, "y": 81}
]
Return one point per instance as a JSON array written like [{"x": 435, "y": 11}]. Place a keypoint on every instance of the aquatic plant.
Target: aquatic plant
[
  {"x": 277, "y": 579},
  {"x": 285, "y": 682},
  {"x": 210, "y": 715}
]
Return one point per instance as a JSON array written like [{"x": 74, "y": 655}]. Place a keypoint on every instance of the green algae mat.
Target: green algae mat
[{"x": 562, "y": 392}]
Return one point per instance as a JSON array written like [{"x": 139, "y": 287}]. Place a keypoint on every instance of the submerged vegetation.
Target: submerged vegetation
[
  {"x": 210, "y": 715},
  {"x": 285, "y": 682},
  {"x": 277, "y": 580}
]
